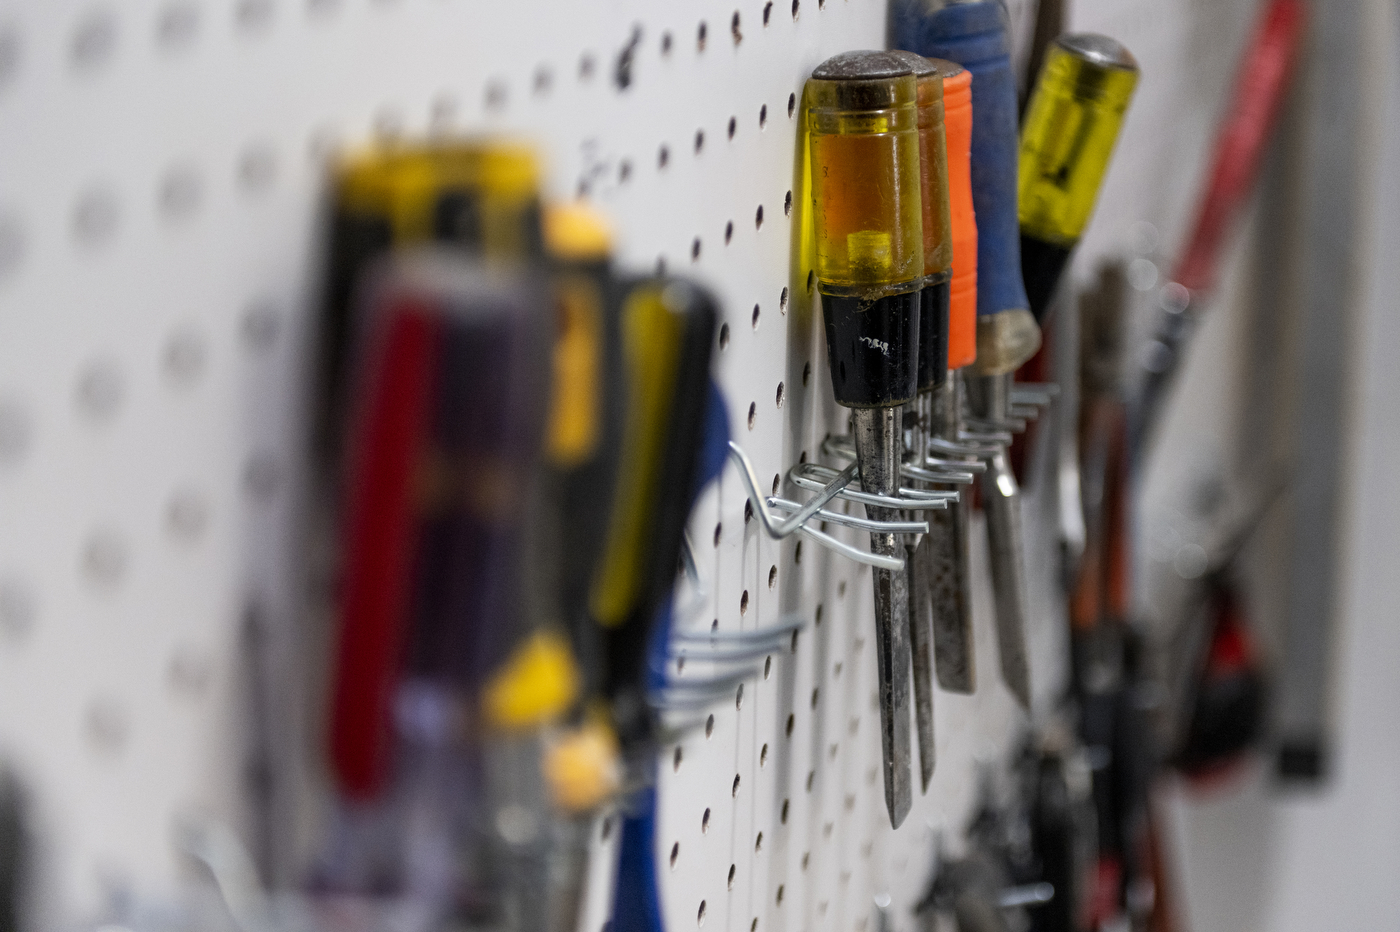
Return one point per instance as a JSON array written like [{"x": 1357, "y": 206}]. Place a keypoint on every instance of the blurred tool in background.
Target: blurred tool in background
[
  {"x": 867, "y": 209},
  {"x": 442, "y": 482},
  {"x": 975, "y": 36},
  {"x": 1071, "y": 125}
]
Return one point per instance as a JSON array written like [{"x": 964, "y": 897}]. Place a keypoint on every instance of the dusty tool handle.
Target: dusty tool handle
[{"x": 975, "y": 36}]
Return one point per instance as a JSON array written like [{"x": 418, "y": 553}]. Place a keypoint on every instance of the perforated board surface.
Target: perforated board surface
[{"x": 160, "y": 172}]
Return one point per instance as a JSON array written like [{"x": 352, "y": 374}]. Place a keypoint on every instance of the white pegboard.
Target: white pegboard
[{"x": 160, "y": 171}]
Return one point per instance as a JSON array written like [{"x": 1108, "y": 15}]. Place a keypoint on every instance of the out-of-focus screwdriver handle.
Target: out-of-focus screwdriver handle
[
  {"x": 962, "y": 300},
  {"x": 975, "y": 36},
  {"x": 667, "y": 328},
  {"x": 1072, "y": 121}
]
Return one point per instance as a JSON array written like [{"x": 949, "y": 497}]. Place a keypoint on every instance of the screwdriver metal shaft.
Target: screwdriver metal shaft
[
  {"x": 949, "y": 572},
  {"x": 1001, "y": 500},
  {"x": 877, "y": 446}
]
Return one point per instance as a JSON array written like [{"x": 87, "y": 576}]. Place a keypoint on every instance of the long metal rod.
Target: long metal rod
[{"x": 878, "y": 455}]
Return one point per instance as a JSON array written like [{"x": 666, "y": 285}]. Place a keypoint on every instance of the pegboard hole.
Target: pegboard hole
[
  {"x": 544, "y": 80},
  {"x": 665, "y": 43},
  {"x": 836, "y": 670},
  {"x": 700, "y": 915},
  {"x": 695, "y": 250},
  {"x": 748, "y": 511},
  {"x": 763, "y": 756},
  {"x": 496, "y": 95},
  {"x": 753, "y": 413},
  {"x": 779, "y": 896},
  {"x": 734, "y": 28},
  {"x": 723, "y": 336},
  {"x": 755, "y": 316},
  {"x": 728, "y": 232},
  {"x": 792, "y": 103},
  {"x": 663, "y": 158},
  {"x": 753, "y": 926},
  {"x": 701, "y": 34},
  {"x": 811, "y": 280},
  {"x": 705, "y": 822},
  {"x": 733, "y": 126},
  {"x": 841, "y": 589},
  {"x": 733, "y": 870},
  {"x": 607, "y": 828},
  {"x": 794, "y": 641},
  {"x": 676, "y": 759},
  {"x": 806, "y": 374},
  {"x": 819, "y": 615},
  {"x": 796, "y": 6},
  {"x": 782, "y": 300},
  {"x": 806, "y": 859},
  {"x": 767, "y": 666},
  {"x": 816, "y": 694},
  {"x": 675, "y": 853},
  {"x": 699, "y": 141},
  {"x": 797, "y": 553},
  {"x": 791, "y": 724},
  {"x": 811, "y": 779},
  {"x": 762, "y": 116},
  {"x": 782, "y": 816},
  {"x": 767, "y": 12},
  {"x": 787, "y": 204},
  {"x": 778, "y": 400},
  {"x": 709, "y": 730},
  {"x": 624, "y": 171},
  {"x": 758, "y": 218},
  {"x": 777, "y": 482},
  {"x": 719, "y": 529},
  {"x": 772, "y": 576},
  {"x": 758, "y": 843},
  {"x": 660, "y": 265},
  {"x": 739, "y": 697},
  {"x": 734, "y": 791}
]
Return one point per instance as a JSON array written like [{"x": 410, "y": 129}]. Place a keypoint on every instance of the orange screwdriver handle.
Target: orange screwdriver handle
[{"x": 962, "y": 303}]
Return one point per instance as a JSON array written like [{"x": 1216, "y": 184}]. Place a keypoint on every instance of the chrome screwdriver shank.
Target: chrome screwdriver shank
[
  {"x": 1001, "y": 500},
  {"x": 878, "y": 448},
  {"x": 948, "y": 574}
]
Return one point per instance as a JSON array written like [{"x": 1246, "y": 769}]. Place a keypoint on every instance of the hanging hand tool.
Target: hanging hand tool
[
  {"x": 867, "y": 210},
  {"x": 932, "y": 371},
  {"x": 667, "y": 329},
  {"x": 1071, "y": 125},
  {"x": 975, "y": 35},
  {"x": 441, "y": 466},
  {"x": 949, "y": 571}
]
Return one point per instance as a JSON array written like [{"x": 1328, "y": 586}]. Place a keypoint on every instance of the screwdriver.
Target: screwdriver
[
  {"x": 862, "y": 117},
  {"x": 1072, "y": 122},
  {"x": 667, "y": 329},
  {"x": 948, "y": 569},
  {"x": 975, "y": 35},
  {"x": 932, "y": 370},
  {"x": 443, "y": 447}
]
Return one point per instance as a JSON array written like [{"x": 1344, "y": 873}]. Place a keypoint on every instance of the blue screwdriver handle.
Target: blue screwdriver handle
[{"x": 975, "y": 36}]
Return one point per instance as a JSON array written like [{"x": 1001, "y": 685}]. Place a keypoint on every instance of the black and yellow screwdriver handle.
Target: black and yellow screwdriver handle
[
  {"x": 666, "y": 328},
  {"x": 1072, "y": 123}
]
